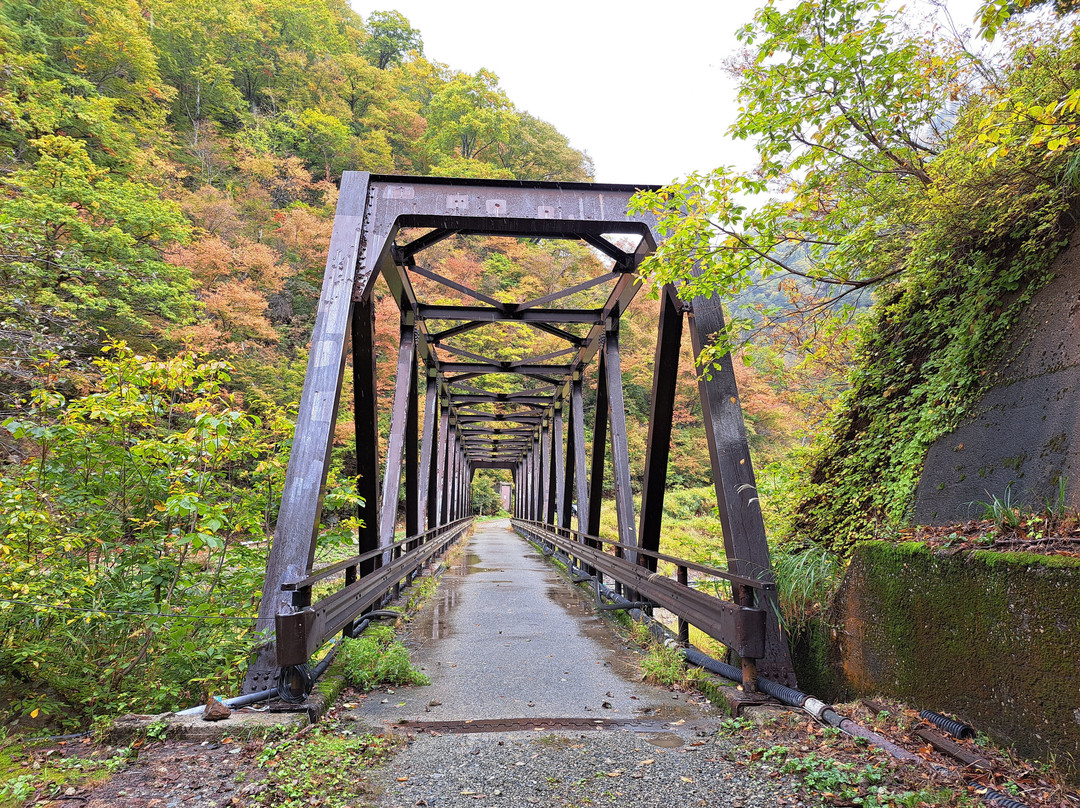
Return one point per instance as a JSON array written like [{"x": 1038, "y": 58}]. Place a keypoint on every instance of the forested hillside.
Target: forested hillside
[
  {"x": 169, "y": 176},
  {"x": 169, "y": 173}
]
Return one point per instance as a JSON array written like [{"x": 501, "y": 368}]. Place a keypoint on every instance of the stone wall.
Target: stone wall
[{"x": 991, "y": 637}]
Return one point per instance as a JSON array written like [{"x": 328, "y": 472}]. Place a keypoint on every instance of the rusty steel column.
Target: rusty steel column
[
  {"x": 538, "y": 479},
  {"x": 599, "y": 447},
  {"x": 566, "y": 488},
  {"x": 577, "y": 427},
  {"x": 426, "y": 516},
  {"x": 620, "y": 451},
  {"x": 395, "y": 450},
  {"x": 555, "y": 481},
  {"x": 451, "y": 473},
  {"x": 366, "y": 420},
  {"x": 545, "y": 468},
  {"x": 412, "y": 460},
  {"x": 736, "y": 488},
  {"x": 658, "y": 447},
  {"x": 296, "y": 532},
  {"x": 440, "y": 471}
]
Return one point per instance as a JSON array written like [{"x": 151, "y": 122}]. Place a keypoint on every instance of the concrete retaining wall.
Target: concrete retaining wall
[
  {"x": 1024, "y": 435},
  {"x": 992, "y": 637}
]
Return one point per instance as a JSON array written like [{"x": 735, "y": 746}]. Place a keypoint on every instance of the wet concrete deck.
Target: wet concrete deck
[{"x": 507, "y": 636}]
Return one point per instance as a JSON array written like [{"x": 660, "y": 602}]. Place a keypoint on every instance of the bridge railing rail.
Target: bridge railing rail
[
  {"x": 368, "y": 578},
  {"x": 738, "y": 625}
]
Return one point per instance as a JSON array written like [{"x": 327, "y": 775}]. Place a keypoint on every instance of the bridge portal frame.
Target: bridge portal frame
[{"x": 457, "y": 438}]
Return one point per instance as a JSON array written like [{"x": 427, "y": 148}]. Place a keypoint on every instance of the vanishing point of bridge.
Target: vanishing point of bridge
[{"x": 383, "y": 225}]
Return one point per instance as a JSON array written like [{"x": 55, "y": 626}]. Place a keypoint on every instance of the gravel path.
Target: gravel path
[{"x": 555, "y": 769}]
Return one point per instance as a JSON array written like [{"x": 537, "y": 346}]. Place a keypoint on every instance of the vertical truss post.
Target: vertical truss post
[
  {"x": 556, "y": 481},
  {"x": 658, "y": 448},
  {"x": 577, "y": 428},
  {"x": 366, "y": 420},
  {"x": 440, "y": 471},
  {"x": 412, "y": 461},
  {"x": 466, "y": 479},
  {"x": 451, "y": 472},
  {"x": 538, "y": 480},
  {"x": 620, "y": 451},
  {"x": 545, "y": 469},
  {"x": 523, "y": 486},
  {"x": 596, "y": 468},
  {"x": 461, "y": 481},
  {"x": 458, "y": 482},
  {"x": 736, "y": 488},
  {"x": 293, "y": 547},
  {"x": 529, "y": 486},
  {"x": 599, "y": 447},
  {"x": 566, "y": 488},
  {"x": 395, "y": 449},
  {"x": 426, "y": 516}
]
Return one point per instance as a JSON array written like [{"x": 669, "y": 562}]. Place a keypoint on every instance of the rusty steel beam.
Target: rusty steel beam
[
  {"x": 452, "y": 284},
  {"x": 505, "y": 367},
  {"x": 567, "y": 292},
  {"x": 428, "y": 311},
  {"x": 409, "y": 251}
]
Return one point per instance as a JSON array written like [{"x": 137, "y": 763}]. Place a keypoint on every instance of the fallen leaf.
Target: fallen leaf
[{"x": 686, "y": 779}]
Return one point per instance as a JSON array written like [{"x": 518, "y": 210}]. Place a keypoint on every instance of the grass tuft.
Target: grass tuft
[{"x": 378, "y": 658}]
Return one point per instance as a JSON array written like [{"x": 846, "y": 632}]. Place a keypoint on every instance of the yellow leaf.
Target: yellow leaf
[{"x": 34, "y": 713}]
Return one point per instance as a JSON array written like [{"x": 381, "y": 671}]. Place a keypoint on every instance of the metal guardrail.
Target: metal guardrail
[
  {"x": 739, "y": 625},
  {"x": 302, "y": 632}
]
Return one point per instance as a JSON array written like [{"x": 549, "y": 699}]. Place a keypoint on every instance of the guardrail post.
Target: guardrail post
[
  {"x": 350, "y": 578},
  {"x": 684, "y": 627},
  {"x": 744, "y": 596}
]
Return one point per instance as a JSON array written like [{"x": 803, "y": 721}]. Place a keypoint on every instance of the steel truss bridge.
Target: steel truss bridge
[{"x": 384, "y": 225}]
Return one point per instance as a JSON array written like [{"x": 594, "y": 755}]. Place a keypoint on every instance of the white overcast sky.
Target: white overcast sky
[{"x": 638, "y": 85}]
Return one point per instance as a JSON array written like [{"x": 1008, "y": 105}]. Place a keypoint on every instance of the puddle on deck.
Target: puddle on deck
[{"x": 436, "y": 621}]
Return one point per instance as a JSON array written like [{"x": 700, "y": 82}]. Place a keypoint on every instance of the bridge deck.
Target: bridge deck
[{"x": 507, "y": 637}]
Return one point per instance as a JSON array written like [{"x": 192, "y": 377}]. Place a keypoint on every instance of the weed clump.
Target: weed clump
[
  {"x": 664, "y": 666},
  {"x": 378, "y": 658}
]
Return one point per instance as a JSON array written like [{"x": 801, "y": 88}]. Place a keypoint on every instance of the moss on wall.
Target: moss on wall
[{"x": 992, "y": 637}]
